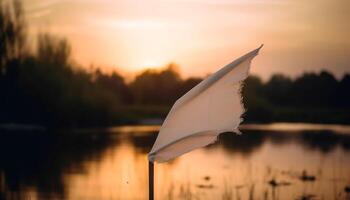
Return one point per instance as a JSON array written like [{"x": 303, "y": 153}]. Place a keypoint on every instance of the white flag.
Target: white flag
[{"x": 212, "y": 107}]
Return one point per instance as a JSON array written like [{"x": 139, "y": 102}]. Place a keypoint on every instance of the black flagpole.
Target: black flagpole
[{"x": 150, "y": 180}]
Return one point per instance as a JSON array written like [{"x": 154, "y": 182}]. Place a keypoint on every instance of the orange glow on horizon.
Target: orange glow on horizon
[{"x": 200, "y": 36}]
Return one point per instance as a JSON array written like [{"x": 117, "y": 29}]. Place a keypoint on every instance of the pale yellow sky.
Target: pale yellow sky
[{"x": 200, "y": 35}]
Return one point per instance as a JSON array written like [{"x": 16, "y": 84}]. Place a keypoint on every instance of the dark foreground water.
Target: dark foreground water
[{"x": 279, "y": 161}]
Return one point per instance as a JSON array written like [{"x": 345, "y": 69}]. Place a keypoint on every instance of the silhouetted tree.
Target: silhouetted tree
[
  {"x": 116, "y": 84},
  {"x": 157, "y": 87},
  {"x": 343, "y": 97},
  {"x": 12, "y": 50},
  {"x": 277, "y": 88},
  {"x": 12, "y": 33},
  {"x": 313, "y": 89},
  {"x": 44, "y": 86},
  {"x": 257, "y": 108},
  {"x": 53, "y": 52}
]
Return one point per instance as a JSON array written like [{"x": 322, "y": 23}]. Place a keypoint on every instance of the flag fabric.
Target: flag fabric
[{"x": 197, "y": 118}]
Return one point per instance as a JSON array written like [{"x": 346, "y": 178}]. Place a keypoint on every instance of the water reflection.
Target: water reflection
[
  {"x": 322, "y": 141},
  {"x": 39, "y": 161},
  {"x": 112, "y": 164}
]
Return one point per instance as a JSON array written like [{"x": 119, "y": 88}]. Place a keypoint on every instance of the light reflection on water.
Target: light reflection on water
[{"x": 112, "y": 164}]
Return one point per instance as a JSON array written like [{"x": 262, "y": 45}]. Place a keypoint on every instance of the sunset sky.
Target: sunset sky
[{"x": 200, "y": 35}]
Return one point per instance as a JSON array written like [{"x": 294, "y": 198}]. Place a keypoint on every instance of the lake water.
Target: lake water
[{"x": 277, "y": 161}]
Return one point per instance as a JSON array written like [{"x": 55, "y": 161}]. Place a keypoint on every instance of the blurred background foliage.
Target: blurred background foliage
[{"x": 44, "y": 86}]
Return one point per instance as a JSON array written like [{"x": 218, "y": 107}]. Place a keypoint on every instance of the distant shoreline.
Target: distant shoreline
[{"x": 274, "y": 126}]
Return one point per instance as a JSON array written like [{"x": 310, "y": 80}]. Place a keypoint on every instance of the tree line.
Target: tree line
[{"x": 43, "y": 85}]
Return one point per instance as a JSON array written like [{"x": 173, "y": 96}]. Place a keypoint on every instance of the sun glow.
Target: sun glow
[{"x": 151, "y": 64}]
